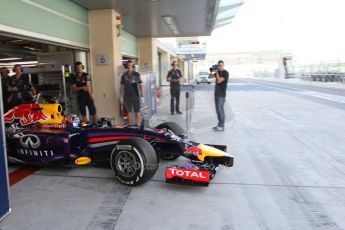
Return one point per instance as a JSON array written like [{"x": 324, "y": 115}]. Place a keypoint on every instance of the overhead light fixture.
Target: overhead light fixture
[
  {"x": 10, "y": 59},
  {"x": 16, "y": 40},
  {"x": 31, "y": 65},
  {"x": 23, "y": 63},
  {"x": 28, "y": 47},
  {"x": 170, "y": 21},
  {"x": 32, "y": 48}
]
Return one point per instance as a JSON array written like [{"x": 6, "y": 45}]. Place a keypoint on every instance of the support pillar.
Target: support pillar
[
  {"x": 148, "y": 56},
  {"x": 105, "y": 62},
  {"x": 166, "y": 66}
]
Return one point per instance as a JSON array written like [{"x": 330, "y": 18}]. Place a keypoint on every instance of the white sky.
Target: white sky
[{"x": 312, "y": 29}]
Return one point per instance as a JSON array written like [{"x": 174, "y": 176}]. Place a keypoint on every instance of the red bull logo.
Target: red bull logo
[
  {"x": 26, "y": 114},
  {"x": 194, "y": 150}
]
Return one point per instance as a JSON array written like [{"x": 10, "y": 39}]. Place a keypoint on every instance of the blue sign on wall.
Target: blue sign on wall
[{"x": 4, "y": 199}]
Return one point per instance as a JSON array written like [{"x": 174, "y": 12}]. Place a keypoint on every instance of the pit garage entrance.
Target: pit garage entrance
[{"x": 48, "y": 66}]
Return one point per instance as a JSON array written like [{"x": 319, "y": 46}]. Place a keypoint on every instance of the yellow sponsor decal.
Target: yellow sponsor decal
[{"x": 82, "y": 160}]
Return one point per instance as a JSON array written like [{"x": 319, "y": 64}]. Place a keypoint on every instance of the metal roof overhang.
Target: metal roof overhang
[
  {"x": 227, "y": 11},
  {"x": 145, "y": 18}
]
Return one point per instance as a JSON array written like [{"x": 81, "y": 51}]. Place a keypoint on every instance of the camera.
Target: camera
[{"x": 214, "y": 68}]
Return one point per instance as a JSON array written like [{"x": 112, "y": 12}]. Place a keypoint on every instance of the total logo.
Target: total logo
[{"x": 187, "y": 174}]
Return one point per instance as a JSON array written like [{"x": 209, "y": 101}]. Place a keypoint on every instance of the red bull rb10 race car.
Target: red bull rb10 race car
[{"x": 40, "y": 134}]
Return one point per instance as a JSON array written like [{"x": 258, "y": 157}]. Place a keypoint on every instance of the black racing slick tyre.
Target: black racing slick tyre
[
  {"x": 172, "y": 127},
  {"x": 134, "y": 161},
  {"x": 175, "y": 129}
]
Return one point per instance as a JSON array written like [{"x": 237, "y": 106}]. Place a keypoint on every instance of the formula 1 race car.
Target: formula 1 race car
[{"x": 40, "y": 134}]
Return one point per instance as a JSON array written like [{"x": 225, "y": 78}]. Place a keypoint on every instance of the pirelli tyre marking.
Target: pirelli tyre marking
[
  {"x": 141, "y": 162},
  {"x": 124, "y": 147}
]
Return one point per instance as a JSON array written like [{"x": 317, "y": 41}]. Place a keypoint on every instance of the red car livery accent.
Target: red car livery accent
[
  {"x": 26, "y": 114},
  {"x": 114, "y": 138},
  {"x": 187, "y": 174},
  {"x": 194, "y": 150},
  {"x": 103, "y": 139}
]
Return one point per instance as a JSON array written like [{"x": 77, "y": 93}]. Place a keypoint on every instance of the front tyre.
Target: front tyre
[{"x": 134, "y": 161}]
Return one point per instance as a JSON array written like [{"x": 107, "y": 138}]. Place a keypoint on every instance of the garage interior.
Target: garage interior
[{"x": 48, "y": 66}]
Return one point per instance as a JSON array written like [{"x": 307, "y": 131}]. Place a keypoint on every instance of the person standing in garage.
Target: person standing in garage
[
  {"x": 131, "y": 93},
  {"x": 174, "y": 77},
  {"x": 21, "y": 88},
  {"x": 6, "y": 94},
  {"x": 81, "y": 86}
]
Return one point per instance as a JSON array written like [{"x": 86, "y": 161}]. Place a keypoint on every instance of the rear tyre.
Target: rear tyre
[
  {"x": 172, "y": 127},
  {"x": 175, "y": 129},
  {"x": 134, "y": 161}
]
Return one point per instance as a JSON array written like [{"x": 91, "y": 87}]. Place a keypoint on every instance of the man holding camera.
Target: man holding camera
[{"x": 222, "y": 77}]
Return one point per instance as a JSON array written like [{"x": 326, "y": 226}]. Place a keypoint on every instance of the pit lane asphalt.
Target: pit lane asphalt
[{"x": 289, "y": 172}]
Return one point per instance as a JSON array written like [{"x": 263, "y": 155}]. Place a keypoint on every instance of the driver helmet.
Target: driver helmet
[{"x": 75, "y": 121}]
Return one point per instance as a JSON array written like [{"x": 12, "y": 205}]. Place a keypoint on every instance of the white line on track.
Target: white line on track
[{"x": 325, "y": 96}]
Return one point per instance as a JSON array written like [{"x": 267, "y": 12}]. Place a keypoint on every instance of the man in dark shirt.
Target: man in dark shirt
[
  {"x": 222, "y": 77},
  {"x": 21, "y": 88},
  {"x": 174, "y": 77},
  {"x": 131, "y": 93},
  {"x": 81, "y": 86},
  {"x": 6, "y": 94}
]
